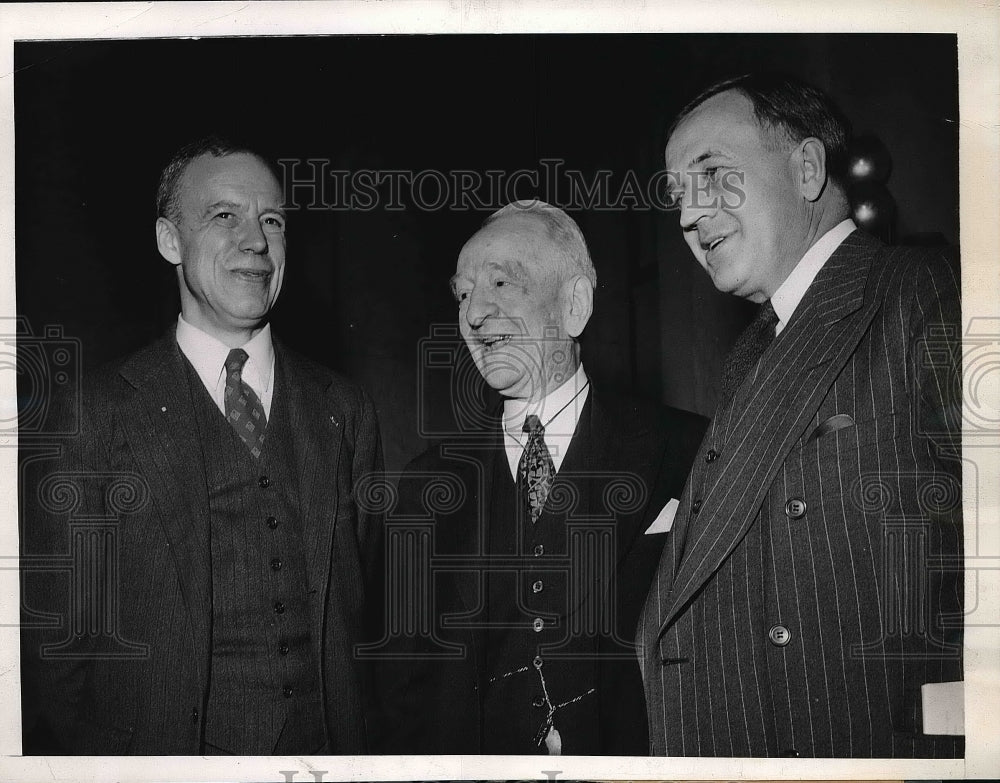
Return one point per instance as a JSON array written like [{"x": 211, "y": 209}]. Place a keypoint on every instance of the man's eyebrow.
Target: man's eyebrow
[
  {"x": 231, "y": 205},
  {"x": 274, "y": 211}
]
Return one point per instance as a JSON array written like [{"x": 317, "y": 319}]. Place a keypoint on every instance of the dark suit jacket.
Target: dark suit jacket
[
  {"x": 432, "y": 704},
  {"x": 813, "y": 582},
  {"x": 141, "y": 688}
]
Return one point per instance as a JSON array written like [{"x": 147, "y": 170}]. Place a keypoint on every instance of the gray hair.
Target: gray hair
[{"x": 562, "y": 230}]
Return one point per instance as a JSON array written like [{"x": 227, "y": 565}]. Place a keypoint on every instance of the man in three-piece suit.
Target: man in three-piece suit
[
  {"x": 541, "y": 522},
  {"x": 809, "y": 598},
  {"x": 219, "y": 611}
]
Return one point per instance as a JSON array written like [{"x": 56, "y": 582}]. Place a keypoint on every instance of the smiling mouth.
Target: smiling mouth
[
  {"x": 494, "y": 341},
  {"x": 252, "y": 275},
  {"x": 710, "y": 246}
]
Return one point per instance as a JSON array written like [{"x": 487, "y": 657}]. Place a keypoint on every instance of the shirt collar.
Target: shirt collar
[
  {"x": 208, "y": 355},
  {"x": 558, "y": 411},
  {"x": 790, "y": 292}
]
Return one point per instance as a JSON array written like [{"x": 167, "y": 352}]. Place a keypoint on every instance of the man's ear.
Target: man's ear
[
  {"x": 812, "y": 175},
  {"x": 168, "y": 240},
  {"x": 579, "y": 305}
]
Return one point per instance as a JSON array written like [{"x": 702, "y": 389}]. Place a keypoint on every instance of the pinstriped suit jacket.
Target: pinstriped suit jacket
[
  {"x": 812, "y": 582},
  {"x": 137, "y": 423}
]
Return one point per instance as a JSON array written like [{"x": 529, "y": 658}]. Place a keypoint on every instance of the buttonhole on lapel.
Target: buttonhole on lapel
[{"x": 672, "y": 661}]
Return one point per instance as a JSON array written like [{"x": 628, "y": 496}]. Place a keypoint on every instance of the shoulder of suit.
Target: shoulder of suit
[
  {"x": 303, "y": 370},
  {"x": 636, "y": 416},
  {"x": 901, "y": 267}
]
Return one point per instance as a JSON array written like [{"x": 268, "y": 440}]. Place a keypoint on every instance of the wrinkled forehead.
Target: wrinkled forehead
[
  {"x": 719, "y": 123},
  {"x": 514, "y": 240},
  {"x": 239, "y": 174}
]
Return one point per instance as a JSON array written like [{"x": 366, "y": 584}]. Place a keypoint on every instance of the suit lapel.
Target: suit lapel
[
  {"x": 766, "y": 418},
  {"x": 158, "y": 423},
  {"x": 317, "y": 429}
]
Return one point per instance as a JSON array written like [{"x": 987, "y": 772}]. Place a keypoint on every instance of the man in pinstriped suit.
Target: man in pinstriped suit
[{"x": 809, "y": 598}]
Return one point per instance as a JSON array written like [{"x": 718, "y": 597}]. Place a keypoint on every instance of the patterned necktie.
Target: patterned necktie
[
  {"x": 748, "y": 349},
  {"x": 243, "y": 408},
  {"x": 535, "y": 471}
]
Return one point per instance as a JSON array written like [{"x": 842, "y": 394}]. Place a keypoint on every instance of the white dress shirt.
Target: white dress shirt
[
  {"x": 790, "y": 293},
  {"x": 208, "y": 357},
  {"x": 563, "y": 406}
]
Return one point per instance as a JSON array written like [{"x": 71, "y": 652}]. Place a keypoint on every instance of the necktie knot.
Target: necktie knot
[
  {"x": 235, "y": 361},
  {"x": 533, "y": 426}
]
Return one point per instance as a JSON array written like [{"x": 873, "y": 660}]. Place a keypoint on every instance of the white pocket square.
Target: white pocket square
[{"x": 665, "y": 519}]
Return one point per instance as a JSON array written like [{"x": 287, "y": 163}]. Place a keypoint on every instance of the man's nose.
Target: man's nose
[
  {"x": 480, "y": 307},
  {"x": 253, "y": 239},
  {"x": 698, "y": 201},
  {"x": 694, "y": 207}
]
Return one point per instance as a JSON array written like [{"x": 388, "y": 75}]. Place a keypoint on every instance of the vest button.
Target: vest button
[
  {"x": 264, "y": 482},
  {"x": 283, "y": 648},
  {"x": 696, "y": 506},
  {"x": 276, "y": 564},
  {"x": 287, "y": 692},
  {"x": 279, "y": 607},
  {"x": 537, "y": 624},
  {"x": 779, "y": 635},
  {"x": 539, "y": 550},
  {"x": 271, "y": 522},
  {"x": 795, "y": 508},
  {"x": 711, "y": 456},
  {"x": 536, "y": 587},
  {"x": 538, "y": 701},
  {"x": 537, "y": 661}
]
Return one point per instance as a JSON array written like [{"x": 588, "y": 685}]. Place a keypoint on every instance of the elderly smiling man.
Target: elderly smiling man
[{"x": 556, "y": 524}]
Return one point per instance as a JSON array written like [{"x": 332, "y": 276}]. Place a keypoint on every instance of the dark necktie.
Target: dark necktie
[
  {"x": 243, "y": 408},
  {"x": 748, "y": 349},
  {"x": 535, "y": 471}
]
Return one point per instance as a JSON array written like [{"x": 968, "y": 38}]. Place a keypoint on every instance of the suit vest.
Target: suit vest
[
  {"x": 264, "y": 695},
  {"x": 532, "y": 651}
]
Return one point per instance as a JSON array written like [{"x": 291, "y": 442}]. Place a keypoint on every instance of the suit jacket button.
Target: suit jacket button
[
  {"x": 538, "y": 701},
  {"x": 263, "y": 482},
  {"x": 537, "y": 586},
  {"x": 795, "y": 508},
  {"x": 288, "y": 693},
  {"x": 711, "y": 456},
  {"x": 272, "y": 522},
  {"x": 276, "y": 564},
  {"x": 696, "y": 506},
  {"x": 279, "y": 607},
  {"x": 537, "y": 662},
  {"x": 537, "y": 624},
  {"x": 539, "y": 550},
  {"x": 779, "y": 635}
]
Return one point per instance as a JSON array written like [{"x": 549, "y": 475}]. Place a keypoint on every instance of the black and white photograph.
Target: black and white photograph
[{"x": 392, "y": 403}]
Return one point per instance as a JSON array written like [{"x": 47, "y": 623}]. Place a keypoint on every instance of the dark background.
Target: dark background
[{"x": 96, "y": 120}]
